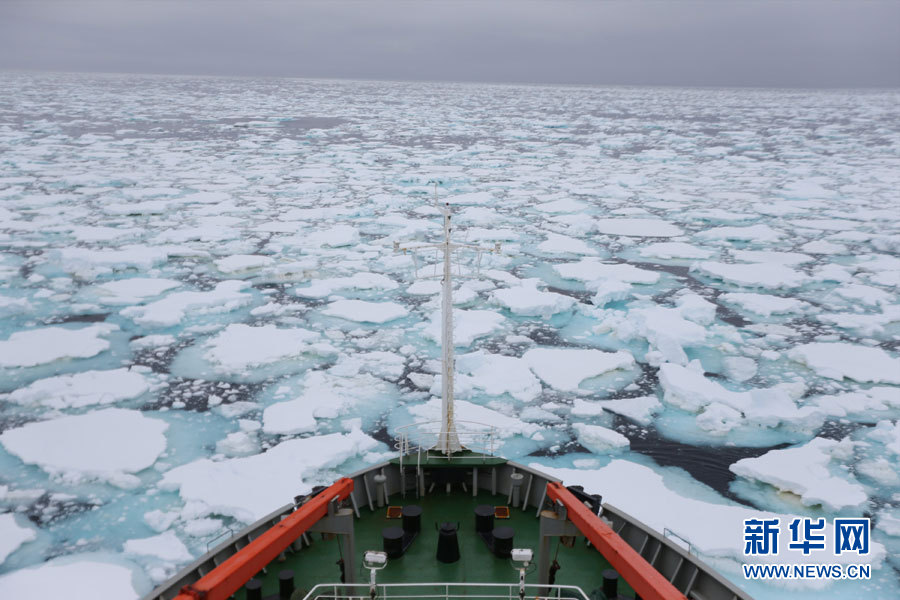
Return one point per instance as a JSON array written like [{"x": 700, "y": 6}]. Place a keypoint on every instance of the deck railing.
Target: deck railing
[
  {"x": 444, "y": 591},
  {"x": 421, "y": 439}
]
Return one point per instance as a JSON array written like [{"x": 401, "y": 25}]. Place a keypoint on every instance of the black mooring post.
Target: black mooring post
[
  {"x": 610, "y": 584},
  {"x": 254, "y": 589},
  {"x": 285, "y": 584}
]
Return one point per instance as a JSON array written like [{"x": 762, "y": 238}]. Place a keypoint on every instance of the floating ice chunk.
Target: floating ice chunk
[
  {"x": 664, "y": 328},
  {"x": 803, "y": 470},
  {"x": 565, "y": 368},
  {"x": 241, "y": 263},
  {"x": 739, "y": 368},
  {"x": 764, "y": 304},
  {"x": 610, "y": 290},
  {"x": 564, "y": 205},
  {"x": 203, "y": 527},
  {"x": 687, "y": 388},
  {"x": 83, "y": 389},
  {"x": 595, "y": 270},
  {"x": 696, "y": 308},
  {"x": 171, "y": 310},
  {"x": 860, "y": 402},
  {"x": 366, "y": 312},
  {"x": 85, "y": 576},
  {"x": 718, "y": 419},
  {"x": 505, "y": 424},
  {"x": 753, "y": 233},
  {"x": 473, "y": 198},
  {"x": 325, "y": 396},
  {"x": 563, "y": 244},
  {"x": 165, "y": 546},
  {"x": 424, "y": 287},
  {"x": 888, "y": 434},
  {"x": 41, "y": 346},
  {"x": 151, "y": 341},
  {"x": 707, "y": 525},
  {"x": 637, "y": 227},
  {"x": 768, "y": 276},
  {"x": 839, "y": 360},
  {"x": 335, "y": 237},
  {"x": 13, "y": 306},
  {"x": 864, "y": 294},
  {"x": 387, "y": 365},
  {"x": 771, "y": 256},
  {"x": 78, "y": 447},
  {"x": 77, "y": 260},
  {"x": 823, "y": 247},
  {"x": 888, "y": 521},
  {"x": 358, "y": 281},
  {"x": 639, "y": 409},
  {"x": 240, "y": 347},
  {"x": 670, "y": 250},
  {"x": 238, "y": 443},
  {"x": 251, "y": 487},
  {"x": 468, "y": 325},
  {"x": 133, "y": 290},
  {"x": 880, "y": 469},
  {"x": 600, "y": 440},
  {"x": 526, "y": 300},
  {"x": 159, "y": 521},
  {"x": 13, "y": 535},
  {"x": 495, "y": 375}
]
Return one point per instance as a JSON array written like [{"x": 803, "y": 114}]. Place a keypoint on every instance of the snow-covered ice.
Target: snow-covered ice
[{"x": 715, "y": 267}]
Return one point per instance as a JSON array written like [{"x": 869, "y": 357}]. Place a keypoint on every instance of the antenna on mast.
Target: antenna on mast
[{"x": 448, "y": 439}]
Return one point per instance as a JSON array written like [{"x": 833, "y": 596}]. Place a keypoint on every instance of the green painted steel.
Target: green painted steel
[{"x": 581, "y": 565}]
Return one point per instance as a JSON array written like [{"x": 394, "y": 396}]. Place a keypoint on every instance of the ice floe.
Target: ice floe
[
  {"x": 44, "y": 345},
  {"x": 252, "y": 487},
  {"x": 77, "y": 448},
  {"x": 566, "y": 368},
  {"x": 79, "y": 576},
  {"x": 366, "y": 312},
  {"x": 837, "y": 360},
  {"x": 172, "y": 309},
  {"x": 87, "y": 388},
  {"x": 13, "y": 534}
]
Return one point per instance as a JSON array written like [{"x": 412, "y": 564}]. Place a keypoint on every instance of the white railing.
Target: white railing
[
  {"x": 420, "y": 439},
  {"x": 445, "y": 591}
]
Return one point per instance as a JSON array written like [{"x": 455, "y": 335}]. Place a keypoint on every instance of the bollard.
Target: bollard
[
  {"x": 610, "y": 584},
  {"x": 285, "y": 584},
  {"x": 254, "y": 589},
  {"x": 379, "y": 489},
  {"x": 516, "y": 487}
]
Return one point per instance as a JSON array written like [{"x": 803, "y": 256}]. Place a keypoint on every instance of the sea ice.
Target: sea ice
[
  {"x": 563, "y": 244},
  {"x": 86, "y": 576},
  {"x": 84, "y": 389},
  {"x": 172, "y": 309},
  {"x": 241, "y": 263},
  {"x": 78, "y": 447},
  {"x": 600, "y": 440},
  {"x": 13, "y": 535},
  {"x": 754, "y": 275},
  {"x": 565, "y": 368},
  {"x": 165, "y": 546},
  {"x": 133, "y": 290},
  {"x": 322, "y": 288},
  {"x": 240, "y": 347},
  {"x": 803, "y": 470},
  {"x": 468, "y": 325},
  {"x": 366, "y": 312},
  {"x": 33, "y": 347},
  {"x": 839, "y": 360},
  {"x": 527, "y": 300},
  {"x": 670, "y": 250},
  {"x": 637, "y": 227},
  {"x": 252, "y": 487}
]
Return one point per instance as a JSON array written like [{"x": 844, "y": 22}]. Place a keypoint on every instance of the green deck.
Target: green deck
[
  {"x": 465, "y": 458},
  {"x": 581, "y": 565}
]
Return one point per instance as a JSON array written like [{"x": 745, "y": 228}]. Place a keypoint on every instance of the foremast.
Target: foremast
[{"x": 448, "y": 437}]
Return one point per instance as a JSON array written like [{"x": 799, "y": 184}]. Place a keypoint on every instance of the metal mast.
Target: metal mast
[{"x": 448, "y": 439}]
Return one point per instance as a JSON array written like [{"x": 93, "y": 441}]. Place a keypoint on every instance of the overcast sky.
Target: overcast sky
[{"x": 804, "y": 43}]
